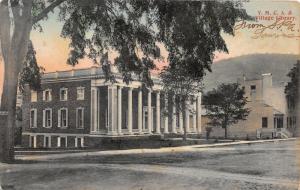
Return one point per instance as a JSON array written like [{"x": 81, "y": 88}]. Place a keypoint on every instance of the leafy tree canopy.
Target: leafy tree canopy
[
  {"x": 31, "y": 73},
  {"x": 189, "y": 30},
  {"x": 291, "y": 89},
  {"x": 226, "y": 105}
]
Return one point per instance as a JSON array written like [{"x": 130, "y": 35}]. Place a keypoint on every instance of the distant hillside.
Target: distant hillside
[{"x": 252, "y": 66}]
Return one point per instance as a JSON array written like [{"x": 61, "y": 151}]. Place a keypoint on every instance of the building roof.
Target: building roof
[{"x": 93, "y": 72}]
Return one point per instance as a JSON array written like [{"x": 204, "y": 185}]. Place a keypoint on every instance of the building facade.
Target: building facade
[
  {"x": 268, "y": 116},
  {"x": 78, "y": 108}
]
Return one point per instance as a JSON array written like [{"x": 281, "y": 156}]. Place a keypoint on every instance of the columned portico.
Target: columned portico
[
  {"x": 95, "y": 109},
  {"x": 119, "y": 110}
]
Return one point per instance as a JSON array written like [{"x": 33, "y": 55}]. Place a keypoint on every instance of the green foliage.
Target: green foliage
[
  {"x": 180, "y": 84},
  {"x": 189, "y": 30},
  {"x": 291, "y": 89},
  {"x": 97, "y": 27},
  {"x": 31, "y": 73},
  {"x": 226, "y": 105}
]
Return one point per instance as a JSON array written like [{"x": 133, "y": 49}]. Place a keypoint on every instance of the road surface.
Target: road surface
[{"x": 271, "y": 165}]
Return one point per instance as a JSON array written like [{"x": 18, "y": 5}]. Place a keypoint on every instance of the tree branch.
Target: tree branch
[{"x": 45, "y": 12}]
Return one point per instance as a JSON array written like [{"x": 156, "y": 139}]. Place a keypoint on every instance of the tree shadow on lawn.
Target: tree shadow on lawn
[{"x": 152, "y": 158}]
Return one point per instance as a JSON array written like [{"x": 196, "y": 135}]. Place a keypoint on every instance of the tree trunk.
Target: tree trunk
[
  {"x": 16, "y": 53},
  {"x": 225, "y": 128}
]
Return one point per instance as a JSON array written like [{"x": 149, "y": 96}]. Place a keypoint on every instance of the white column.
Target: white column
[
  {"x": 94, "y": 113},
  {"x": 174, "y": 115},
  {"x": 140, "y": 111},
  {"x": 98, "y": 109},
  {"x": 199, "y": 113},
  {"x": 149, "y": 111},
  {"x": 194, "y": 117},
  {"x": 166, "y": 117},
  {"x": 112, "y": 99},
  {"x": 34, "y": 142},
  {"x": 180, "y": 122},
  {"x": 130, "y": 111},
  {"x": 187, "y": 117},
  {"x": 76, "y": 142},
  {"x": 120, "y": 110},
  {"x": 58, "y": 142},
  {"x": 158, "y": 112}
]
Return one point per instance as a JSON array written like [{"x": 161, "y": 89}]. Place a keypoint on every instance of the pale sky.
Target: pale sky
[{"x": 52, "y": 50}]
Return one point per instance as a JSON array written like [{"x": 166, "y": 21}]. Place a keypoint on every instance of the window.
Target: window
[
  {"x": 47, "y": 118},
  {"x": 80, "y": 93},
  {"x": 32, "y": 141},
  {"x": 264, "y": 122},
  {"x": 63, "y": 117},
  {"x": 33, "y": 118},
  {"x": 79, "y": 142},
  {"x": 79, "y": 118},
  {"x": 47, "y": 95},
  {"x": 33, "y": 96},
  {"x": 62, "y": 142},
  {"x": 47, "y": 141},
  {"x": 253, "y": 92},
  {"x": 63, "y": 94}
]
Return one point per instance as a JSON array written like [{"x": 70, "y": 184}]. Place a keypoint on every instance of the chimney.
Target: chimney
[{"x": 267, "y": 80}]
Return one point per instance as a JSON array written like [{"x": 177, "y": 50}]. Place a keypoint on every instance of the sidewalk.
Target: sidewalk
[{"x": 143, "y": 151}]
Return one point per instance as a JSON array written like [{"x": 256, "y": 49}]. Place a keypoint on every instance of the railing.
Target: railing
[
  {"x": 3, "y": 113},
  {"x": 278, "y": 132},
  {"x": 284, "y": 132}
]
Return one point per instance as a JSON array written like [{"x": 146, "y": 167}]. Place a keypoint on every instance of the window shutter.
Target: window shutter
[
  {"x": 51, "y": 118},
  {"x": 67, "y": 118},
  {"x": 44, "y": 118},
  {"x": 82, "y": 117},
  {"x": 59, "y": 118},
  {"x": 30, "y": 119},
  {"x": 35, "y": 118},
  {"x": 50, "y": 96},
  {"x": 66, "y": 94},
  {"x": 77, "y": 117},
  {"x": 44, "y": 95}
]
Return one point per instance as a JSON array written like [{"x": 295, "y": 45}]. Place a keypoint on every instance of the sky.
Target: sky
[{"x": 52, "y": 50}]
